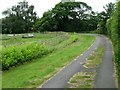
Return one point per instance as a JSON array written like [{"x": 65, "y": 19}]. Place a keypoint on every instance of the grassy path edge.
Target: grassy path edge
[
  {"x": 67, "y": 65},
  {"x": 34, "y": 74},
  {"x": 88, "y": 74}
]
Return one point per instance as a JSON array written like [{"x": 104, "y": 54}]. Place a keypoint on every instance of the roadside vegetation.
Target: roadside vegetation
[
  {"x": 33, "y": 74},
  {"x": 0, "y": 79},
  {"x": 95, "y": 59},
  {"x": 82, "y": 80},
  {"x": 113, "y": 27},
  {"x": 14, "y": 55}
]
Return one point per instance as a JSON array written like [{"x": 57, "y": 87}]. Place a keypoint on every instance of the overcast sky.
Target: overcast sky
[{"x": 44, "y": 5}]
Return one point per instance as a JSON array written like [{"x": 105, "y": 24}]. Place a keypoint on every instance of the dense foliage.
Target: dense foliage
[
  {"x": 19, "y": 19},
  {"x": 14, "y": 55},
  {"x": 68, "y": 16},
  {"x": 104, "y": 16},
  {"x": 113, "y": 28}
]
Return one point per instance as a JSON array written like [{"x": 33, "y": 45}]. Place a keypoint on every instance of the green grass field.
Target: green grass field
[
  {"x": 38, "y": 37},
  {"x": 35, "y": 73}
]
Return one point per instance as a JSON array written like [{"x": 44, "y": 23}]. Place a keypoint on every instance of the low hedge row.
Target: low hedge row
[{"x": 14, "y": 55}]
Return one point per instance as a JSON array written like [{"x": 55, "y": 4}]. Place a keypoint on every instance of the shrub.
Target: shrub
[
  {"x": 14, "y": 55},
  {"x": 73, "y": 38}
]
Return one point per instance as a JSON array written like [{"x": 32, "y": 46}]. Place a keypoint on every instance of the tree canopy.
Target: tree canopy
[
  {"x": 68, "y": 16},
  {"x": 104, "y": 16},
  {"x": 19, "y": 19}
]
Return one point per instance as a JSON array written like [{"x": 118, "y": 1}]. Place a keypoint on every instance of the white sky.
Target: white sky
[{"x": 45, "y": 5}]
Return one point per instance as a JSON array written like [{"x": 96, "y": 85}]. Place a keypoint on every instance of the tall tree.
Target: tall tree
[
  {"x": 68, "y": 16},
  {"x": 109, "y": 8},
  {"x": 20, "y": 18},
  {"x": 104, "y": 16}
]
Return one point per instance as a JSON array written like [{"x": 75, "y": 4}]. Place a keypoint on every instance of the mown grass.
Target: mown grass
[
  {"x": 33, "y": 74},
  {"x": 85, "y": 79},
  {"x": 82, "y": 80},
  {"x": 95, "y": 59}
]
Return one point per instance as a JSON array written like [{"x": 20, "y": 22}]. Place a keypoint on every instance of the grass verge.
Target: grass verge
[
  {"x": 0, "y": 80},
  {"x": 95, "y": 59},
  {"x": 33, "y": 74},
  {"x": 82, "y": 80},
  {"x": 85, "y": 79}
]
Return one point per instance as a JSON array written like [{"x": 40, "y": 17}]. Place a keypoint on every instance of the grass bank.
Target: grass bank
[{"x": 33, "y": 74}]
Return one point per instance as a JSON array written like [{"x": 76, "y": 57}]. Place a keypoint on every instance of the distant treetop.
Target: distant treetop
[{"x": 67, "y": 1}]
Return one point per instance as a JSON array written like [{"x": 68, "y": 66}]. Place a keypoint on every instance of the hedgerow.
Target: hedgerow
[
  {"x": 113, "y": 28},
  {"x": 14, "y": 55}
]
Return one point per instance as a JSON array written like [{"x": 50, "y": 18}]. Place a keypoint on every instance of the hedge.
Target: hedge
[
  {"x": 14, "y": 55},
  {"x": 113, "y": 28}
]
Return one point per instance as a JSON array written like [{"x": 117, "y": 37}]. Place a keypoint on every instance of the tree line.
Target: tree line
[
  {"x": 75, "y": 17},
  {"x": 68, "y": 16},
  {"x": 19, "y": 19}
]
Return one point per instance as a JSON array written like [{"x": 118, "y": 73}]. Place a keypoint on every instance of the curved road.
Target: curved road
[
  {"x": 104, "y": 78},
  {"x": 105, "y": 74}
]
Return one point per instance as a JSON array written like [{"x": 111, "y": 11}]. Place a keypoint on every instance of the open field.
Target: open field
[
  {"x": 33, "y": 73},
  {"x": 38, "y": 37}
]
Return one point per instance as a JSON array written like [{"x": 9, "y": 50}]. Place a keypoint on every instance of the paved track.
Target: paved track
[
  {"x": 104, "y": 78},
  {"x": 105, "y": 74}
]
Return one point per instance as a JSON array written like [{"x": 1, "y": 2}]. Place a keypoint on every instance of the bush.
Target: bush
[
  {"x": 73, "y": 38},
  {"x": 14, "y": 55}
]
